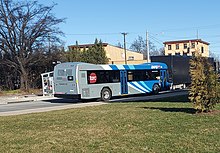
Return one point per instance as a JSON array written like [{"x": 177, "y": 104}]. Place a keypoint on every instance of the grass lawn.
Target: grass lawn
[{"x": 116, "y": 127}]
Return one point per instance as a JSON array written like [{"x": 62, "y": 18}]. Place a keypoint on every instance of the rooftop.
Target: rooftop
[
  {"x": 87, "y": 45},
  {"x": 186, "y": 41}
]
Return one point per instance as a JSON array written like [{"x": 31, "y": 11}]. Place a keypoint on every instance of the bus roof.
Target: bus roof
[
  {"x": 146, "y": 66},
  {"x": 153, "y": 65}
]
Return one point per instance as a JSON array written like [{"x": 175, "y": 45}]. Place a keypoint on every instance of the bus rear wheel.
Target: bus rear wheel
[
  {"x": 155, "y": 89},
  {"x": 106, "y": 94}
]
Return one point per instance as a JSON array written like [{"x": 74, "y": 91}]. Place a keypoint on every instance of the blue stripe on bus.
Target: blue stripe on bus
[
  {"x": 121, "y": 67},
  {"x": 140, "y": 86},
  {"x": 131, "y": 67},
  {"x": 145, "y": 86},
  {"x": 135, "y": 86},
  {"x": 126, "y": 67},
  {"x": 145, "y": 66},
  {"x": 114, "y": 67}
]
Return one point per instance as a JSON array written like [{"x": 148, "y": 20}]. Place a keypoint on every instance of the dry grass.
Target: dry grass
[{"x": 20, "y": 92}]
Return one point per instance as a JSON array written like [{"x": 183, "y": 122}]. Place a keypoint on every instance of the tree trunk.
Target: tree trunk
[
  {"x": 24, "y": 80},
  {"x": 23, "y": 76}
]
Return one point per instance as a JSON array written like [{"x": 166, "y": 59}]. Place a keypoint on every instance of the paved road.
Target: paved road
[
  {"x": 32, "y": 105},
  {"x": 58, "y": 104}
]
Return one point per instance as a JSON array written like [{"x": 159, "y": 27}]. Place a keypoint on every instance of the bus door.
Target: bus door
[
  {"x": 163, "y": 78},
  {"x": 124, "y": 84}
]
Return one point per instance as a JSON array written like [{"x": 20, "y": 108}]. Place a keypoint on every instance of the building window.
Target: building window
[
  {"x": 184, "y": 46},
  {"x": 188, "y": 50},
  {"x": 131, "y": 58},
  {"x": 202, "y": 49},
  {"x": 169, "y": 54},
  {"x": 177, "y": 46},
  {"x": 169, "y": 47},
  {"x": 193, "y": 44}
]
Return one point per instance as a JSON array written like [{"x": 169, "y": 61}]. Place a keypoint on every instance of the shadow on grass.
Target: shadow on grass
[
  {"x": 144, "y": 98},
  {"x": 72, "y": 101},
  {"x": 164, "y": 109},
  {"x": 182, "y": 98}
]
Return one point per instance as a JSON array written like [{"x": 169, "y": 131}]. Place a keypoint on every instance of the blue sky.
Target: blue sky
[{"x": 165, "y": 20}]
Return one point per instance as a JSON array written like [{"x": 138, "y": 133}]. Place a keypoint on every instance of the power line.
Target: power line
[
  {"x": 194, "y": 28},
  {"x": 164, "y": 30},
  {"x": 92, "y": 34},
  {"x": 160, "y": 42}
]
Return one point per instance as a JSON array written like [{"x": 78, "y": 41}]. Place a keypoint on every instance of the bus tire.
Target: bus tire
[
  {"x": 106, "y": 94},
  {"x": 155, "y": 89}
]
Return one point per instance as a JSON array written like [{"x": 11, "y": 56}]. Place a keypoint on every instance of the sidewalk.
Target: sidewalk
[{"x": 23, "y": 98}]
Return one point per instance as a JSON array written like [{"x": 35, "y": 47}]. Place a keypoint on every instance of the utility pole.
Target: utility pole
[
  {"x": 147, "y": 47},
  {"x": 124, "y": 34}
]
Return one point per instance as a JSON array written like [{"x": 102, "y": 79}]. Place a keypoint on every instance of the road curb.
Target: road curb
[{"x": 23, "y": 100}]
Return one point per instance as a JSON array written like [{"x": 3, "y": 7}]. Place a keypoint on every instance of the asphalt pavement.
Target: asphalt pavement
[
  {"x": 26, "y": 104},
  {"x": 16, "y": 105}
]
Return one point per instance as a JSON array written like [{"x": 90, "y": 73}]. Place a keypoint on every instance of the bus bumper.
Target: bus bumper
[{"x": 68, "y": 96}]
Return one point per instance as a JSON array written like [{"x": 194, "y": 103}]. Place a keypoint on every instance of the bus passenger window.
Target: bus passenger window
[
  {"x": 130, "y": 76},
  {"x": 61, "y": 72},
  {"x": 154, "y": 74},
  {"x": 105, "y": 76},
  {"x": 114, "y": 76},
  {"x": 69, "y": 72},
  {"x": 158, "y": 77},
  {"x": 147, "y": 76}
]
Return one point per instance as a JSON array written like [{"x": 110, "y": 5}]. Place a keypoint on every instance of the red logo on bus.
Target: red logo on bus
[{"x": 92, "y": 78}]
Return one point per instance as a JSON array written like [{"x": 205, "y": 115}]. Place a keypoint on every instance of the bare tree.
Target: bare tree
[
  {"x": 139, "y": 45},
  {"x": 24, "y": 27}
]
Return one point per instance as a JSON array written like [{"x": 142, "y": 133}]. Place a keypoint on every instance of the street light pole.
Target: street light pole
[{"x": 124, "y": 34}]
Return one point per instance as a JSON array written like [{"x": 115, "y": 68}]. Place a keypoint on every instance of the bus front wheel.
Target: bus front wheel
[
  {"x": 106, "y": 94},
  {"x": 155, "y": 89}
]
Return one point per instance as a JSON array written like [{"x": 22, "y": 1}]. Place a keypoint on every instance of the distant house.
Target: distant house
[
  {"x": 186, "y": 47},
  {"x": 116, "y": 55}
]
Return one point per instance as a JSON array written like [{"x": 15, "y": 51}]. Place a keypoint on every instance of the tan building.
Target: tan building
[
  {"x": 116, "y": 55},
  {"x": 186, "y": 47}
]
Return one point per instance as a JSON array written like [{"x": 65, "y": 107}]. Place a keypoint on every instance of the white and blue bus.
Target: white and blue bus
[{"x": 88, "y": 81}]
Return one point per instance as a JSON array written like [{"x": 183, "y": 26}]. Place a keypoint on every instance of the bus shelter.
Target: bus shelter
[{"x": 47, "y": 83}]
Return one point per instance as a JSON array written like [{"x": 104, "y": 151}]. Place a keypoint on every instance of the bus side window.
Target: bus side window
[
  {"x": 61, "y": 72},
  {"x": 69, "y": 72},
  {"x": 130, "y": 76},
  {"x": 154, "y": 74},
  {"x": 147, "y": 76},
  {"x": 114, "y": 76},
  {"x": 104, "y": 76}
]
